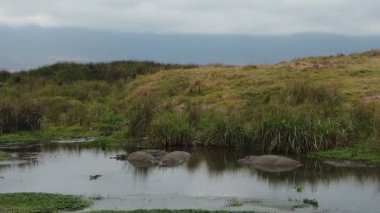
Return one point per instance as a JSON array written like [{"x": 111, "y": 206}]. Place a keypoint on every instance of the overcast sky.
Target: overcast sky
[{"x": 250, "y": 17}]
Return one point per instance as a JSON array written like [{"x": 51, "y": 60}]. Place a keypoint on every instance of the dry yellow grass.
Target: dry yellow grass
[{"x": 357, "y": 77}]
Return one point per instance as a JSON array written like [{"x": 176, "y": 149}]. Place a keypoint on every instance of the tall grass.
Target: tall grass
[
  {"x": 300, "y": 133},
  {"x": 251, "y": 108},
  {"x": 139, "y": 117},
  {"x": 222, "y": 131},
  {"x": 300, "y": 92},
  {"x": 301, "y": 118},
  {"x": 377, "y": 121},
  {"x": 170, "y": 129},
  {"x": 312, "y": 118},
  {"x": 26, "y": 117}
]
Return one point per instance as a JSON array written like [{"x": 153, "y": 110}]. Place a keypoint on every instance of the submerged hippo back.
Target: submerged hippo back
[
  {"x": 140, "y": 158},
  {"x": 271, "y": 163},
  {"x": 275, "y": 160},
  {"x": 157, "y": 154},
  {"x": 175, "y": 158}
]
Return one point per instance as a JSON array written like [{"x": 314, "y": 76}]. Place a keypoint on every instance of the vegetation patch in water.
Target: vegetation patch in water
[
  {"x": 312, "y": 202},
  {"x": 238, "y": 203},
  {"x": 4, "y": 156},
  {"x": 41, "y": 202},
  {"x": 358, "y": 153}
]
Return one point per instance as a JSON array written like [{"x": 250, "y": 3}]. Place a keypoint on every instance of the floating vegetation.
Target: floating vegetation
[
  {"x": 312, "y": 202},
  {"x": 4, "y": 156},
  {"x": 241, "y": 202}
]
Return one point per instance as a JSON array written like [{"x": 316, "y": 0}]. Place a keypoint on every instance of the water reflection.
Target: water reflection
[
  {"x": 210, "y": 174},
  {"x": 217, "y": 162}
]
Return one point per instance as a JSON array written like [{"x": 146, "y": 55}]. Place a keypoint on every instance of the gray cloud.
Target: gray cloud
[{"x": 349, "y": 17}]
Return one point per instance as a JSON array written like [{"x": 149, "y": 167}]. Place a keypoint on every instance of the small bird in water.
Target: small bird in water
[{"x": 94, "y": 177}]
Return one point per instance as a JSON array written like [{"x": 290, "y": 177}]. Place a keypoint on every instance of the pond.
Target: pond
[{"x": 211, "y": 180}]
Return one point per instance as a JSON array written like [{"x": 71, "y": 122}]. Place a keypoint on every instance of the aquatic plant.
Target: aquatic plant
[{"x": 312, "y": 202}]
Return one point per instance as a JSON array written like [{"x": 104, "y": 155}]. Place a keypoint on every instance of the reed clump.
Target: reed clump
[
  {"x": 313, "y": 118},
  {"x": 301, "y": 133},
  {"x": 139, "y": 117},
  {"x": 222, "y": 131},
  {"x": 25, "y": 117},
  {"x": 170, "y": 129}
]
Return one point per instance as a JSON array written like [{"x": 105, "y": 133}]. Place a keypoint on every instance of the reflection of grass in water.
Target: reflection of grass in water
[
  {"x": 312, "y": 202},
  {"x": 238, "y": 203}
]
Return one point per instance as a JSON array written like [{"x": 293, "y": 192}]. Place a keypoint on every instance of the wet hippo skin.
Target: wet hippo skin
[
  {"x": 175, "y": 158},
  {"x": 141, "y": 159},
  {"x": 157, "y": 154}
]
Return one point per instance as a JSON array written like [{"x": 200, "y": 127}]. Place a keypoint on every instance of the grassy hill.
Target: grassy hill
[{"x": 299, "y": 106}]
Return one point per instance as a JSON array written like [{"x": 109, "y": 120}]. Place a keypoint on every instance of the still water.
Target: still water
[{"x": 211, "y": 180}]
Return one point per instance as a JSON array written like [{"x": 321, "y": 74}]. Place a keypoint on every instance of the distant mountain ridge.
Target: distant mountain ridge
[{"x": 30, "y": 47}]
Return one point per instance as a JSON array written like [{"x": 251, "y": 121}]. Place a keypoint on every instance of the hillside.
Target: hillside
[{"x": 298, "y": 106}]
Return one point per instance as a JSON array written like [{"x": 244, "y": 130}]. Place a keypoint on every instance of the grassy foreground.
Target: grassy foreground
[
  {"x": 41, "y": 202},
  {"x": 301, "y": 106}
]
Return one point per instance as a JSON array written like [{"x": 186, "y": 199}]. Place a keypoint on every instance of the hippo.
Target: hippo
[
  {"x": 141, "y": 159},
  {"x": 175, "y": 158},
  {"x": 271, "y": 163},
  {"x": 157, "y": 154}
]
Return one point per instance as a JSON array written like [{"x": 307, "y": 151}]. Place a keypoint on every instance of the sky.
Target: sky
[
  {"x": 38, "y": 32},
  {"x": 248, "y": 17}
]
